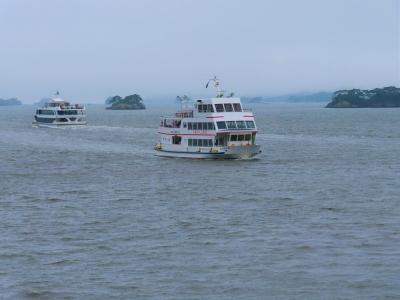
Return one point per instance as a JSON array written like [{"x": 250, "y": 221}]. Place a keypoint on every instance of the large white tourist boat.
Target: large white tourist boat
[
  {"x": 58, "y": 112},
  {"x": 212, "y": 128}
]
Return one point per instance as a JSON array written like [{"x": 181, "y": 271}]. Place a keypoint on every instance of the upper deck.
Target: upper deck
[
  {"x": 61, "y": 104},
  {"x": 58, "y": 106},
  {"x": 213, "y": 107},
  {"x": 225, "y": 114}
]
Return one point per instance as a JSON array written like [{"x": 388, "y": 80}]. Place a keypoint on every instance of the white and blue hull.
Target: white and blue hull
[
  {"x": 58, "y": 124},
  {"x": 244, "y": 152}
]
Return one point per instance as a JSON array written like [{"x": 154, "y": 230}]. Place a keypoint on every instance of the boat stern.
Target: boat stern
[{"x": 242, "y": 152}]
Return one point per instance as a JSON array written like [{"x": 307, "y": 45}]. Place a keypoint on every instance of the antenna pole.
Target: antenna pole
[{"x": 220, "y": 93}]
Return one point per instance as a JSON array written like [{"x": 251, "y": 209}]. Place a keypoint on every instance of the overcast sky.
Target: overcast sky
[{"x": 91, "y": 49}]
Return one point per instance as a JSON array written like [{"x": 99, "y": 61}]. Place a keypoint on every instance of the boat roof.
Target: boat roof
[
  {"x": 218, "y": 100},
  {"x": 57, "y": 100}
]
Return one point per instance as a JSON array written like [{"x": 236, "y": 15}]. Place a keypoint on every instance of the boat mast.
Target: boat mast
[{"x": 220, "y": 93}]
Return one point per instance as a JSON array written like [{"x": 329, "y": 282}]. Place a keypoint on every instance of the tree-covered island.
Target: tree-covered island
[
  {"x": 10, "y": 102},
  {"x": 384, "y": 97},
  {"x": 129, "y": 102}
]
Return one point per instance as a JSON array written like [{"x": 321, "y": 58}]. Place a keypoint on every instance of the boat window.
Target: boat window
[
  {"x": 250, "y": 124},
  {"x": 247, "y": 137},
  {"x": 176, "y": 139},
  {"x": 234, "y": 138},
  {"x": 219, "y": 107},
  {"x": 44, "y": 120},
  {"x": 228, "y": 107},
  {"x": 45, "y": 112},
  {"x": 199, "y": 126},
  {"x": 241, "y": 124},
  {"x": 221, "y": 125},
  {"x": 68, "y": 112},
  {"x": 220, "y": 140},
  {"x": 231, "y": 124},
  {"x": 205, "y": 108},
  {"x": 200, "y": 143},
  {"x": 237, "y": 107},
  {"x": 240, "y": 137}
]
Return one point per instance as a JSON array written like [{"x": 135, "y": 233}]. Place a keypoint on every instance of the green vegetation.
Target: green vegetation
[
  {"x": 10, "y": 102},
  {"x": 385, "y": 97},
  {"x": 129, "y": 102}
]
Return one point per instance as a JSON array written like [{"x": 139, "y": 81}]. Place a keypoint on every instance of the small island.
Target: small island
[
  {"x": 10, "y": 102},
  {"x": 129, "y": 102},
  {"x": 384, "y": 97}
]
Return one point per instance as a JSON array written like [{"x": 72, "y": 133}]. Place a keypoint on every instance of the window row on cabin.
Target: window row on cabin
[
  {"x": 70, "y": 112},
  {"x": 45, "y": 112},
  {"x": 199, "y": 125},
  {"x": 200, "y": 143},
  {"x": 59, "y": 112},
  {"x": 44, "y": 120},
  {"x": 221, "y": 107},
  {"x": 228, "y": 107},
  {"x": 171, "y": 123},
  {"x": 236, "y": 125},
  {"x": 240, "y": 137},
  {"x": 205, "y": 108}
]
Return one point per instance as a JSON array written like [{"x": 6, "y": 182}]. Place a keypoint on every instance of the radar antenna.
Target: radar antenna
[{"x": 220, "y": 93}]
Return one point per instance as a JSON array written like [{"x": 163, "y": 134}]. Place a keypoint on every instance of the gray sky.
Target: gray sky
[{"x": 91, "y": 49}]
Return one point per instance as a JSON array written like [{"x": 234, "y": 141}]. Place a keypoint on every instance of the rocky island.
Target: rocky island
[
  {"x": 10, "y": 102},
  {"x": 384, "y": 97},
  {"x": 129, "y": 102}
]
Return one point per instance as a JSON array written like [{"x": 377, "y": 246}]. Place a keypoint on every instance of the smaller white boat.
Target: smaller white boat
[{"x": 58, "y": 113}]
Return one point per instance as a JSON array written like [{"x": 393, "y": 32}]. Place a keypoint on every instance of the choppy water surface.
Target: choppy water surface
[{"x": 90, "y": 213}]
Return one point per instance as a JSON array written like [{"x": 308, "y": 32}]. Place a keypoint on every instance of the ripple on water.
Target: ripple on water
[{"x": 90, "y": 213}]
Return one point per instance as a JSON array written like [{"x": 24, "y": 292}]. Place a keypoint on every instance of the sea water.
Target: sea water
[{"x": 91, "y": 213}]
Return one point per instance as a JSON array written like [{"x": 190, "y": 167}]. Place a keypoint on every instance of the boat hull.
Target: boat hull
[
  {"x": 245, "y": 152},
  {"x": 56, "y": 125}
]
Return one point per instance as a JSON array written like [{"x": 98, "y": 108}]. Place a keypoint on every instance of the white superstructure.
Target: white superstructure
[
  {"x": 58, "y": 112},
  {"x": 214, "y": 128}
]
